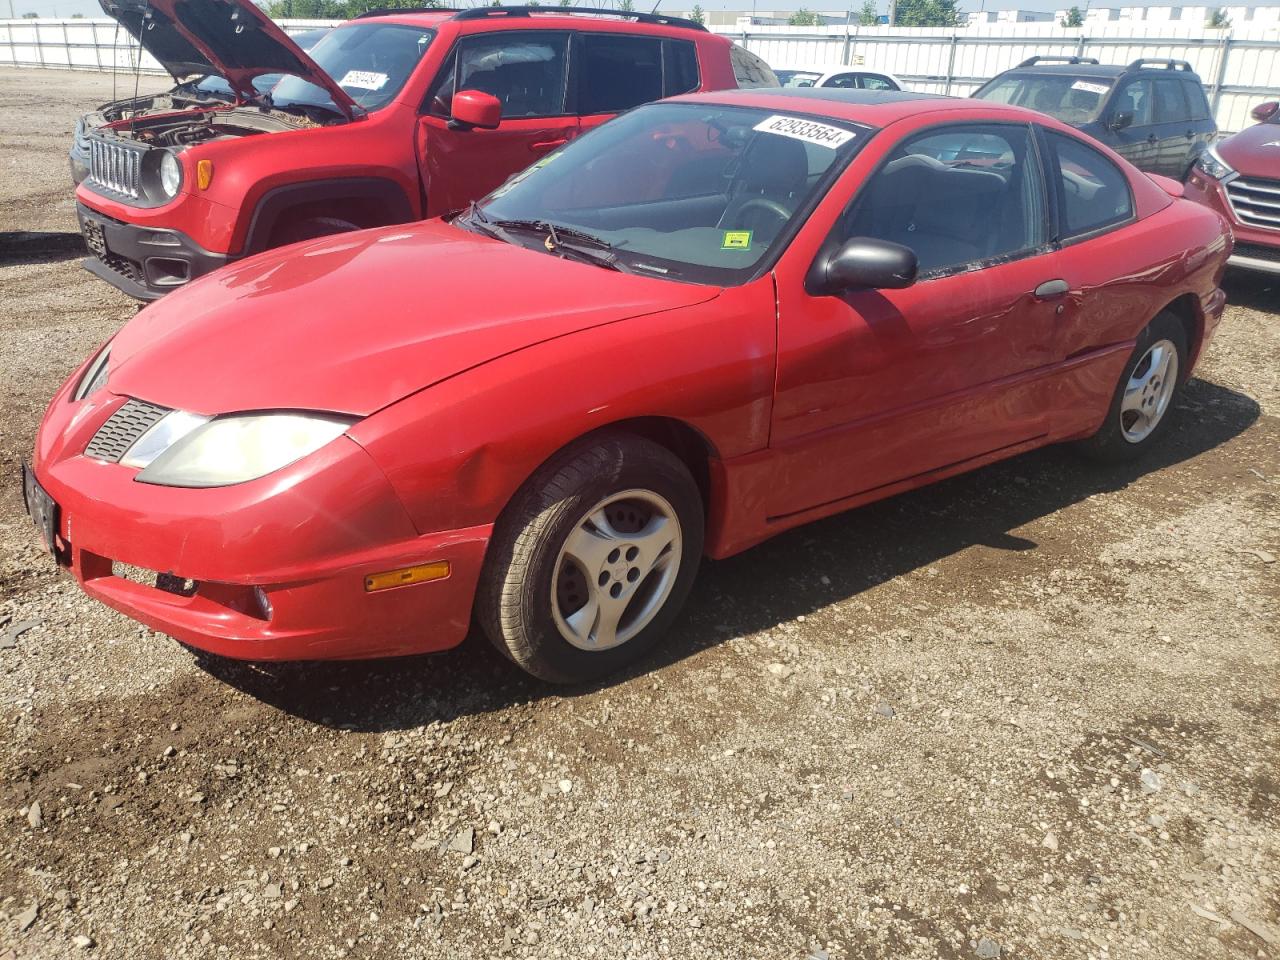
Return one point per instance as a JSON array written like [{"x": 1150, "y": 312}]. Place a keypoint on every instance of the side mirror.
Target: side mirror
[
  {"x": 863, "y": 262},
  {"x": 1265, "y": 111},
  {"x": 1121, "y": 120},
  {"x": 471, "y": 108}
]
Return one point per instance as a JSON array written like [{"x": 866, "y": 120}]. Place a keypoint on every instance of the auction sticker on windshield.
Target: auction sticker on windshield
[
  {"x": 364, "y": 80},
  {"x": 1090, "y": 87},
  {"x": 820, "y": 134}
]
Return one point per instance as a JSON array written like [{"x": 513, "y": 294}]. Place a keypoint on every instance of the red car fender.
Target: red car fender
[{"x": 458, "y": 451}]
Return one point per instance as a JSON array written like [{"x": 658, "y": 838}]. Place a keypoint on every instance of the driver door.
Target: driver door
[
  {"x": 527, "y": 72},
  {"x": 877, "y": 387}
]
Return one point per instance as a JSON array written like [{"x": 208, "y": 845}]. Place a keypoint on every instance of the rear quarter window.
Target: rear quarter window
[
  {"x": 749, "y": 70},
  {"x": 1093, "y": 193}
]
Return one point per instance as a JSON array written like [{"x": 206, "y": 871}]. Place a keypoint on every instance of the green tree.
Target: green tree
[
  {"x": 627, "y": 6},
  {"x": 926, "y": 13},
  {"x": 803, "y": 18},
  {"x": 1074, "y": 18},
  {"x": 869, "y": 16},
  {"x": 698, "y": 15},
  {"x": 1218, "y": 20}
]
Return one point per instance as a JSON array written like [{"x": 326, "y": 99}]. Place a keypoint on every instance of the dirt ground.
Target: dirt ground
[{"x": 1029, "y": 712}]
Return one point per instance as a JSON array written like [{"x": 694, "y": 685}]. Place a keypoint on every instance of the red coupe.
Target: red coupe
[{"x": 709, "y": 320}]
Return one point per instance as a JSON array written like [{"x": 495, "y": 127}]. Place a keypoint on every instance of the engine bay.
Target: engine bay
[{"x": 200, "y": 126}]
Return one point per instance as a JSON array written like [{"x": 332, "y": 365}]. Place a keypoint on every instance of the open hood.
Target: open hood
[{"x": 232, "y": 38}]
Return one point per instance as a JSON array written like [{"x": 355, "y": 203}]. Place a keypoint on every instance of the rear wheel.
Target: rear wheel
[
  {"x": 1139, "y": 414},
  {"x": 591, "y": 563}
]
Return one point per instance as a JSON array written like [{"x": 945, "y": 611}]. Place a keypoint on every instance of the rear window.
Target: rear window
[
  {"x": 1071, "y": 99},
  {"x": 749, "y": 70},
  {"x": 796, "y": 78},
  {"x": 1196, "y": 100}
]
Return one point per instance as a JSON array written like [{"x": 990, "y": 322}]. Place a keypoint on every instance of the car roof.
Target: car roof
[
  {"x": 875, "y": 108},
  {"x": 1108, "y": 70},
  {"x": 525, "y": 18}
]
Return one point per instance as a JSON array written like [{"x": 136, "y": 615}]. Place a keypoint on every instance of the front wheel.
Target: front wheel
[
  {"x": 1139, "y": 413},
  {"x": 594, "y": 558}
]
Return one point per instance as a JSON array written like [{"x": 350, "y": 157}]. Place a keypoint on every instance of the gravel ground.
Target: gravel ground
[{"x": 1029, "y": 712}]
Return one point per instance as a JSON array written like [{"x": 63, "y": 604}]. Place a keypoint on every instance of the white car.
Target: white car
[{"x": 848, "y": 76}]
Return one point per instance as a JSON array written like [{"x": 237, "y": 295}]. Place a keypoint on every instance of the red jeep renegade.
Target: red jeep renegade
[{"x": 392, "y": 117}]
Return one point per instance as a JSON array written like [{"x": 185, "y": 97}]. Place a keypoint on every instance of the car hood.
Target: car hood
[
  {"x": 354, "y": 322},
  {"x": 232, "y": 38},
  {"x": 1254, "y": 151}
]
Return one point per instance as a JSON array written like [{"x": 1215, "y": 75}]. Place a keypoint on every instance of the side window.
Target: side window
[
  {"x": 679, "y": 67},
  {"x": 845, "y": 81},
  {"x": 1170, "y": 101},
  {"x": 1092, "y": 191},
  {"x": 1196, "y": 100},
  {"x": 618, "y": 72},
  {"x": 526, "y": 71},
  {"x": 873, "y": 81},
  {"x": 959, "y": 196},
  {"x": 749, "y": 70},
  {"x": 1135, "y": 97}
]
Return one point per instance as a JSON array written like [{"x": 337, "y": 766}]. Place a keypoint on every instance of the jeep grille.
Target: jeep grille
[{"x": 115, "y": 167}]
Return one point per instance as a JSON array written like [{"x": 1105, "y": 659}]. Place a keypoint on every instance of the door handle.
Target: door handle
[
  {"x": 1051, "y": 290},
  {"x": 549, "y": 144}
]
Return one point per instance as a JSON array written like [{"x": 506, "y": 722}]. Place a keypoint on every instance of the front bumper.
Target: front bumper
[
  {"x": 144, "y": 262},
  {"x": 272, "y": 569},
  {"x": 1255, "y": 248}
]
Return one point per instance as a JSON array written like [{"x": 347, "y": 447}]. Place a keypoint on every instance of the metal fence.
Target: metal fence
[{"x": 1240, "y": 66}]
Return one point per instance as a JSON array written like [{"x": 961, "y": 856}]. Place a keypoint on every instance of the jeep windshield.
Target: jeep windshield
[
  {"x": 1075, "y": 100},
  {"x": 369, "y": 61},
  {"x": 703, "y": 193}
]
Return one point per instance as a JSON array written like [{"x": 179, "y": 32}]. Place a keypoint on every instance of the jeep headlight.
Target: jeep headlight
[
  {"x": 1211, "y": 164},
  {"x": 233, "y": 449},
  {"x": 170, "y": 174}
]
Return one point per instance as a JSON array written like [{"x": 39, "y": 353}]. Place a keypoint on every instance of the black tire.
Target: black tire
[
  {"x": 514, "y": 600},
  {"x": 1109, "y": 444},
  {"x": 309, "y": 228}
]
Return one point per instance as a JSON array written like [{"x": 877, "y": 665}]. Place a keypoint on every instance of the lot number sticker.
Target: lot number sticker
[
  {"x": 1098, "y": 88},
  {"x": 364, "y": 80},
  {"x": 816, "y": 133},
  {"x": 736, "y": 240}
]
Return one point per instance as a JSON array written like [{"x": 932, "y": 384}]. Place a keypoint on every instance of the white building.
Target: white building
[
  {"x": 1009, "y": 16},
  {"x": 1196, "y": 16}
]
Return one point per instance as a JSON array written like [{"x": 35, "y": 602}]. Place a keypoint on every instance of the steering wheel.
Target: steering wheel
[{"x": 764, "y": 204}]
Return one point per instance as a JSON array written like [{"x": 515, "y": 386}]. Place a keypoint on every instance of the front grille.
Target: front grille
[
  {"x": 1256, "y": 251},
  {"x": 1256, "y": 202},
  {"x": 122, "y": 430},
  {"x": 116, "y": 167}
]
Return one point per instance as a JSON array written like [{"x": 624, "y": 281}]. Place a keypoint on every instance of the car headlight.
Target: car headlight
[
  {"x": 233, "y": 449},
  {"x": 170, "y": 174},
  {"x": 1211, "y": 164},
  {"x": 95, "y": 375}
]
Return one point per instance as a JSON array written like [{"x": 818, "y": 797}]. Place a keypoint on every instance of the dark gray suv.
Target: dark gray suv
[{"x": 1154, "y": 113}]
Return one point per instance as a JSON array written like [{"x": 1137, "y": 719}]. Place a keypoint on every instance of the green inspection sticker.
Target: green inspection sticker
[{"x": 736, "y": 240}]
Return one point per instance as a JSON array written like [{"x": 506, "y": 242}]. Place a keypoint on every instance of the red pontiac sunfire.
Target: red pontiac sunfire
[{"x": 707, "y": 321}]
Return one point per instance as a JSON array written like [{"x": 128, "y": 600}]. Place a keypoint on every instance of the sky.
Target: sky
[{"x": 90, "y": 8}]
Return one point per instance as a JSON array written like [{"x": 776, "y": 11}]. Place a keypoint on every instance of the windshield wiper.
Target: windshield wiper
[{"x": 568, "y": 242}]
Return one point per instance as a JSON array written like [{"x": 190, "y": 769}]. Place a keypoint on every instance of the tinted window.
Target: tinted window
[
  {"x": 844, "y": 81},
  {"x": 749, "y": 70},
  {"x": 526, "y": 71},
  {"x": 1135, "y": 98},
  {"x": 873, "y": 81},
  {"x": 618, "y": 72},
  {"x": 695, "y": 192},
  {"x": 370, "y": 62},
  {"x": 680, "y": 67},
  {"x": 1093, "y": 193},
  {"x": 1170, "y": 101},
  {"x": 1197, "y": 102},
  {"x": 956, "y": 197},
  {"x": 1070, "y": 99}
]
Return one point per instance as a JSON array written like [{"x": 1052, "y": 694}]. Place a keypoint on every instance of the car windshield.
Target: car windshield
[
  {"x": 216, "y": 86},
  {"x": 1075, "y": 100},
  {"x": 797, "y": 78},
  {"x": 687, "y": 191},
  {"x": 369, "y": 61}
]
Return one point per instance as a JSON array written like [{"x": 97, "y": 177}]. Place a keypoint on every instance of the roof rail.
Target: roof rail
[
  {"x": 392, "y": 11},
  {"x": 483, "y": 13},
  {"x": 1142, "y": 62},
  {"x": 1032, "y": 61}
]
